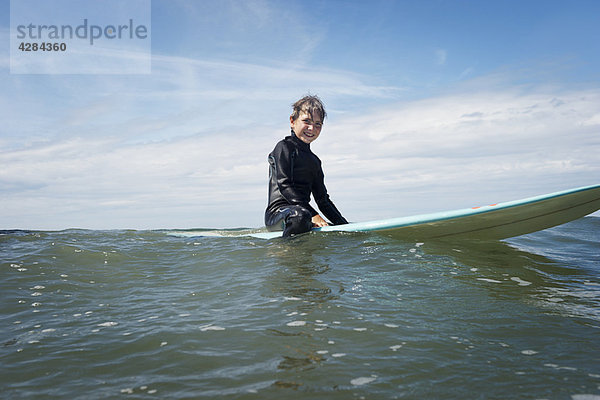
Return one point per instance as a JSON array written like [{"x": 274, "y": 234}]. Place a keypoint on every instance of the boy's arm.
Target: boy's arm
[{"x": 324, "y": 202}]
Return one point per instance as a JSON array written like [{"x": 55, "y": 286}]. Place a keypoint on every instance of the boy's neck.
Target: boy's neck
[{"x": 296, "y": 139}]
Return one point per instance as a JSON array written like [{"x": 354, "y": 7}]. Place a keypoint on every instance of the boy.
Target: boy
[{"x": 295, "y": 172}]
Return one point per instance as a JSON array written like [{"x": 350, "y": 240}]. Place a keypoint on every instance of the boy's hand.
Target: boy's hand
[{"x": 318, "y": 221}]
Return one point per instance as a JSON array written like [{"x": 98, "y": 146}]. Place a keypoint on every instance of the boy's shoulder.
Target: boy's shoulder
[{"x": 285, "y": 142}]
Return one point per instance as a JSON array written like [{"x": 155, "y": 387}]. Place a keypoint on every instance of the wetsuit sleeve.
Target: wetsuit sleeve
[
  {"x": 282, "y": 159},
  {"x": 324, "y": 202}
]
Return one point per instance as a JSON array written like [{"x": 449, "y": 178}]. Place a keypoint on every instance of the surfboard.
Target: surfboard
[{"x": 491, "y": 222}]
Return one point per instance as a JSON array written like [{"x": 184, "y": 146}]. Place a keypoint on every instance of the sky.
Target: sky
[{"x": 432, "y": 105}]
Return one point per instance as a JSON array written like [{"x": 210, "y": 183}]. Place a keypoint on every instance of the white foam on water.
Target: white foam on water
[
  {"x": 337, "y": 355},
  {"x": 529, "y": 352},
  {"x": 108, "y": 324},
  {"x": 556, "y": 366},
  {"x": 396, "y": 347},
  {"x": 489, "y": 280},
  {"x": 520, "y": 281},
  {"x": 211, "y": 328},
  {"x": 360, "y": 329},
  {"x": 296, "y": 323},
  {"x": 363, "y": 380},
  {"x": 391, "y": 325},
  {"x": 322, "y": 351}
]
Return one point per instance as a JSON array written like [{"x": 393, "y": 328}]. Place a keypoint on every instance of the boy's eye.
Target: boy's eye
[{"x": 309, "y": 122}]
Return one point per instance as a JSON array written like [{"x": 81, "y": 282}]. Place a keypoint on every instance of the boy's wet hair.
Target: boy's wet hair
[{"x": 309, "y": 104}]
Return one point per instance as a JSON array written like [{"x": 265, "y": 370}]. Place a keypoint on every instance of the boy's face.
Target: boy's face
[{"x": 307, "y": 127}]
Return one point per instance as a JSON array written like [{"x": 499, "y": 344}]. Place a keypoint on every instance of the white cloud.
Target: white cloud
[
  {"x": 187, "y": 146},
  {"x": 447, "y": 152},
  {"x": 594, "y": 120},
  {"x": 458, "y": 150},
  {"x": 101, "y": 183},
  {"x": 183, "y": 96}
]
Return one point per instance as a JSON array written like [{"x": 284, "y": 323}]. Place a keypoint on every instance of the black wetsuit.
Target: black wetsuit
[{"x": 294, "y": 173}]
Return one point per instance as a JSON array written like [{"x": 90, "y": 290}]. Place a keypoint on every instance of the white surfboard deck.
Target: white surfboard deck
[{"x": 492, "y": 222}]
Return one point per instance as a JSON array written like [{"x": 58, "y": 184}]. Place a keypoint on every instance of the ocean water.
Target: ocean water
[{"x": 143, "y": 314}]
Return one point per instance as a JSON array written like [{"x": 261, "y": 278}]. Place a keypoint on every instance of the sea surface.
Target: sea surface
[{"x": 143, "y": 314}]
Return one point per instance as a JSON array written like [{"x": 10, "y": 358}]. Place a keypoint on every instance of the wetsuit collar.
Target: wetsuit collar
[{"x": 298, "y": 141}]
